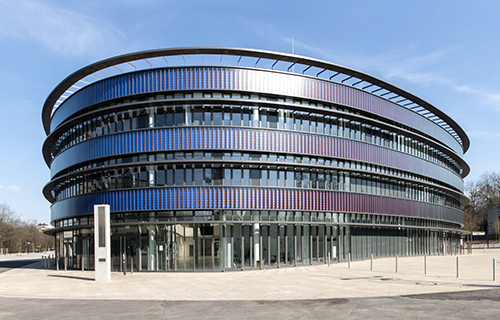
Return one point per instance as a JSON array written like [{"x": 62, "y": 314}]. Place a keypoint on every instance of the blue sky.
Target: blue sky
[{"x": 443, "y": 51}]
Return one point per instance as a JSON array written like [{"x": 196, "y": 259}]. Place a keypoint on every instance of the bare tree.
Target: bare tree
[
  {"x": 8, "y": 225},
  {"x": 15, "y": 233},
  {"x": 484, "y": 191}
]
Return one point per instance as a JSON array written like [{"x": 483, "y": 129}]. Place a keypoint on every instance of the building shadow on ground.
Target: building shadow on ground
[{"x": 70, "y": 277}]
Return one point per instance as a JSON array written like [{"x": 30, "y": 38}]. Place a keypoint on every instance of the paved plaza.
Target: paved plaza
[{"x": 315, "y": 292}]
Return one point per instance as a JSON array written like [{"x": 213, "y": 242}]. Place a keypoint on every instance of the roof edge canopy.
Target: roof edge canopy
[{"x": 69, "y": 81}]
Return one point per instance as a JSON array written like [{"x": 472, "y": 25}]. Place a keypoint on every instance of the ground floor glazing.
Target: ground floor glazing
[{"x": 244, "y": 245}]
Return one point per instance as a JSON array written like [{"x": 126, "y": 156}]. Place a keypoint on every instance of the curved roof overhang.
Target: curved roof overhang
[{"x": 455, "y": 130}]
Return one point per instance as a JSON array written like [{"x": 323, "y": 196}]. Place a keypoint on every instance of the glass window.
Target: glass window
[
  {"x": 160, "y": 176},
  {"x": 143, "y": 177},
  {"x": 281, "y": 178},
  {"x": 255, "y": 176},
  {"x": 112, "y": 124},
  {"x": 126, "y": 121},
  {"x": 198, "y": 155},
  {"x": 227, "y": 116},
  {"x": 289, "y": 120},
  {"x": 227, "y": 176},
  {"x": 105, "y": 129},
  {"x": 217, "y": 115},
  {"x": 272, "y": 119},
  {"x": 328, "y": 181},
  {"x": 347, "y": 129},
  {"x": 263, "y": 118},
  {"x": 289, "y": 179},
  {"x": 143, "y": 119},
  {"x": 197, "y": 115},
  {"x": 208, "y": 176},
  {"x": 305, "y": 180},
  {"x": 347, "y": 181},
  {"x": 208, "y": 116},
  {"x": 246, "y": 177},
  {"x": 273, "y": 178},
  {"x": 237, "y": 177},
  {"x": 314, "y": 180},
  {"x": 170, "y": 176},
  {"x": 169, "y": 117},
  {"x": 217, "y": 176},
  {"x": 160, "y": 117},
  {"x": 189, "y": 176},
  {"x": 127, "y": 178},
  {"x": 236, "y": 113},
  {"x": 334, "y": 126},
  {"x": 246, "y": 117},
  {"x": 218, "y": 155},
  {"x": 297, "y": 121},
  {"x": 198, "y": 176},
  {"x": 312, "y": 121},
  {"x": 179, "y": 176},
  {"x": 179, "y": 116},
  {"x": 264, "y": 178},
  {"x": 321, "y": 124},
  {"x": 298, "y": 179},
  {"x": 305, "y": 123},
  {"x": 273, "y": 216},
  {"x": 321, "y": 180}
]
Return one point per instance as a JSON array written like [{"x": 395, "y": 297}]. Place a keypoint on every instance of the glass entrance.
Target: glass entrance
[{"x": 124, "y": 248}]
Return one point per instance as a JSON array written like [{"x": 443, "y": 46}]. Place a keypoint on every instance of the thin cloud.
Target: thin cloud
[
  {"x": 401, "y": 65},
  {"x": 482, "y": 134},
  {"x": 57, "y": 29},
  {"x": 11, "y": 188},
  {"x": 492, "y": 98}
]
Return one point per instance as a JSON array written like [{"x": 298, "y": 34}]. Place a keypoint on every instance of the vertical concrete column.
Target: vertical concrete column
[
  {"x": 229, "y": 248},
  {"x": 255, "y": 117},
  {"x": 256, "y": 245},
  {"x": 151, "y": 246}
]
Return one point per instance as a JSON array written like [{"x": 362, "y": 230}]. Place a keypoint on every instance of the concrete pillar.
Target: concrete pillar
[{"x": 256, "y": 245}]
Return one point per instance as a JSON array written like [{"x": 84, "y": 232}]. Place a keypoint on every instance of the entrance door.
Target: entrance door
[
  {"x": 87, "y": 253},
  {"x": 124, "y": 247}
]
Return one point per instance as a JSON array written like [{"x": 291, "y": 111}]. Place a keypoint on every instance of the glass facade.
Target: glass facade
[{"x": 233, "y": 168}]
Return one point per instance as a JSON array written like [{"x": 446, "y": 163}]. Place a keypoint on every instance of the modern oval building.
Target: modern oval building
[{"x": 216, "y": 159}]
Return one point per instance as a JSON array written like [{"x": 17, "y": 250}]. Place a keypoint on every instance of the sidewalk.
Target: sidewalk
[{"x": 314, "y": 282}]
